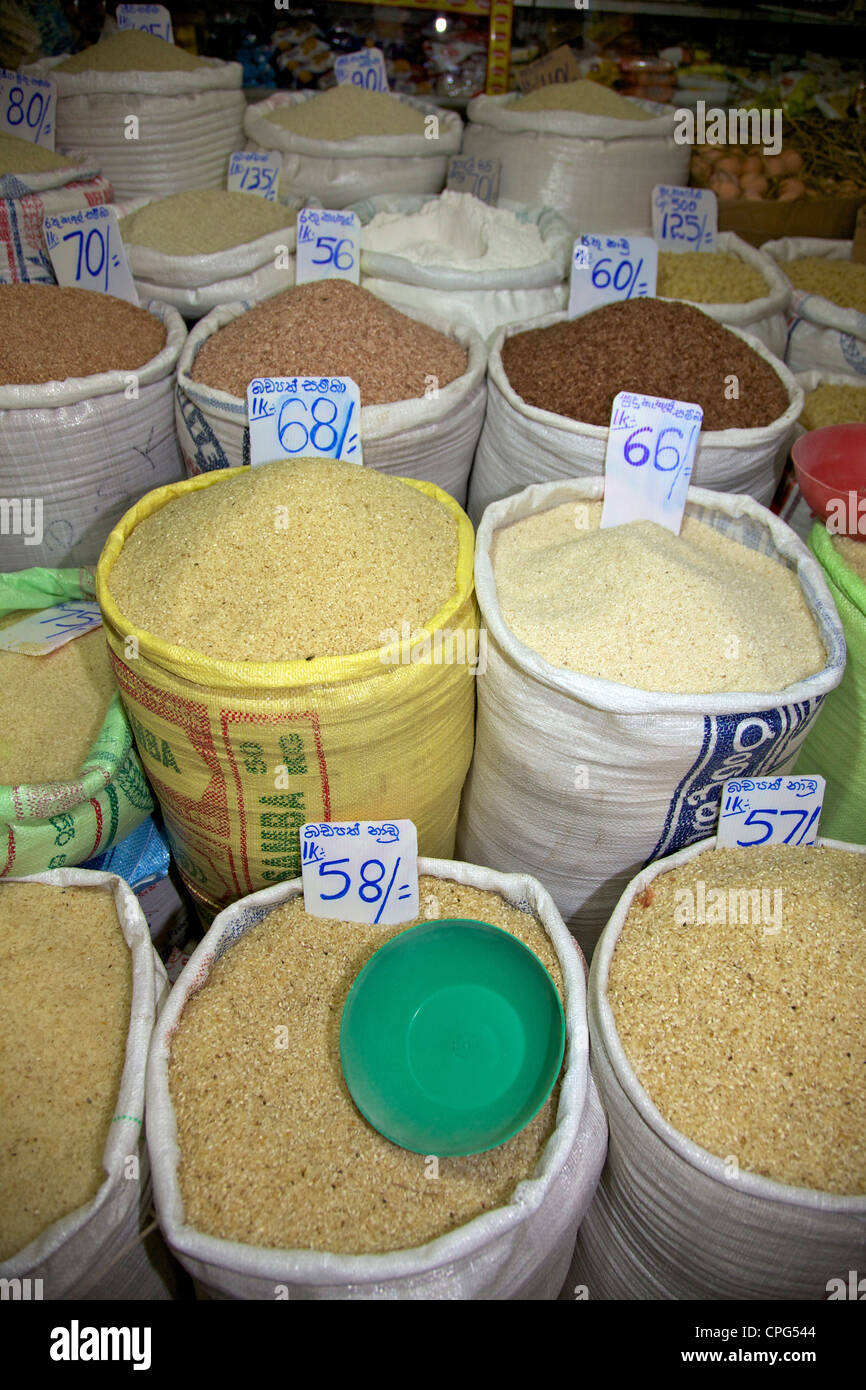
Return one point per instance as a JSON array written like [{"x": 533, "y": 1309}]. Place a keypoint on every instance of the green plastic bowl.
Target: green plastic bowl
[{"x": 452, "y": 1037}]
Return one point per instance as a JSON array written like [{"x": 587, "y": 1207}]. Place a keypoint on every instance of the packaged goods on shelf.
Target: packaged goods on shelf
[
  {"x": 361, "y": 721},
  {"x": 86, "y": 414},
  {"x": 361, "y": 152},
  {"x": 548, "y": 411},
  {"x": 423, "y": 388},
  {"x": 81, "y": 980},
  {"x": 824, "y": 336},
  {"x": 737, "y": 1169},
  {"x": 628, "y": 773},
  {"x": 187, "y": 111},
  {"x": 509, "y": 1230}
]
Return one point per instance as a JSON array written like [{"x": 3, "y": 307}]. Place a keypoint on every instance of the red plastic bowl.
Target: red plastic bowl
[{"x": 830, "y": 465}]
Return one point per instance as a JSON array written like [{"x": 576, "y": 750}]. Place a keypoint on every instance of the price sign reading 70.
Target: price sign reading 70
[{"x": 651, "y": 448}]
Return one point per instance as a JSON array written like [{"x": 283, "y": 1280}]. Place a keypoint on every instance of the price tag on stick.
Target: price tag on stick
[
  {"x": 361, "y": 871},
  {"x": 651, "y": 448},
  {"x": 607, "y": 268},
  {"x": 28, "y": 108},
  {"x": 42, "y": 632},
  {"x": 770, "y": 811},
  {"x": 153, "y": 19},
  {"x": 685, "y": 219},
  {"x": 328, "y": 246},
  {"x": 250, "y": 172},
  {"x": 480, "y": 177},
  {"x": 87, "y": 252},
  {"x": 304, "y": 417},
  {"x": 366, "y": 68}
]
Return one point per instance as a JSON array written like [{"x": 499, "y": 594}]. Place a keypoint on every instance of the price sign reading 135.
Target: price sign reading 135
[
  {"x": 651, "y": 447},
  {"x": 309, "y": 417}
]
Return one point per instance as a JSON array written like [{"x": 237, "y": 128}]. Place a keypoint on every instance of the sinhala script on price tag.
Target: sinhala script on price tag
[
  {"x": 304, "y": 417},
  {"x": 328, "y": 246},
  {"x": 651, "y": 447},
  {"x": 685, "y": 219},
  {"x": 42, "y": 632},
  {"x": 366, "y": 68},
  {"x": 87, "y": 252},
  {"x": 607, "y": 268},
  {"x": 28, "y": 108},
  {"x": 770, "y": 811},
  {"x": 153, "y": 19},
  {"x": 480, "y": 177},
  {"x": 251, "y": 172},
  {"x": 361, "y": 871}
]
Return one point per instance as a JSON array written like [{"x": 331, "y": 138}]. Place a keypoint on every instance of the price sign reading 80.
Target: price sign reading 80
[
  {"x": 27, "y": 108},
  {"x": 314, "y": 417},
  {"x": 651, "y": 447},
  {"x": 607, "y": 268},
  {"x": 361, "y": 871}
]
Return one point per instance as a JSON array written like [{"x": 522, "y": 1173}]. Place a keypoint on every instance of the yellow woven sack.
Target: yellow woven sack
[{"x": 240, "y": 754}]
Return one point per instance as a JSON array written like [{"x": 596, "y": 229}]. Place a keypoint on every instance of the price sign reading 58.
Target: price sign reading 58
[
  {"x": 87, "y": 252},
  {"x": 328, "y": 245},
  {"x": 304, "y": 417},
  {"x": 606, "y": 268},
  {"x": 361, "y": 871},
  {"x": 28, "y": 107},
  {"x": 651, "y": 447}
]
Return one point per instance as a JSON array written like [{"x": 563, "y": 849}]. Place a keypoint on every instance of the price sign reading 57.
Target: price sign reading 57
[
  {"x": 328, "y": 245},
  {"x": 87, "y": 252},
  {"x": 28, "y": 107},
  {"x": 651, "y": 447},
  {"x": 606, "y": 268},
  {"x": 304, "y": 417},
  {"x": 361, "y": 871}
]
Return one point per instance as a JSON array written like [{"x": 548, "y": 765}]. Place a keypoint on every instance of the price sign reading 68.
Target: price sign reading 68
[
  {"x": 651, "y": 446},
  {"x": 309, "y": 417}
]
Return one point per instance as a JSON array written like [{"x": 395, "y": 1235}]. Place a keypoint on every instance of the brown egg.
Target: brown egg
[
  {"x": 789, "y": 189},
  {"x": 773, "y": 164},
  {"x": 754, "y": 184},
  {"x": 731, "y": 164},
  {"x": 752, "y": 164},
  {"x": 792, "y": 162},
  {"x": 725, "y": 186}
]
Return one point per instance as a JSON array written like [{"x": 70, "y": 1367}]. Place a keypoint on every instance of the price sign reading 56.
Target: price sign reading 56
[
  {"x": 304, "y": 417},
  {"x": 361, "y": 871},
  {"x": 606, "y": 268},
  {"x": 328, "y": 245},
  {"x": 28, "y": 107},
  {"x": 87, "y": 252},
  {"x": 651, "y": 447}
]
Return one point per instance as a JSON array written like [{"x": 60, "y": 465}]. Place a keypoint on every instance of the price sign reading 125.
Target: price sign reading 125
[
  {"x": 651, "y": 448},
  {"x": 328, "y": 246},
  {"x": 366, "y": 68},
  {"x": 87, "y": 252},
  {"x": 361, "y": 871},
  {"x": 28, "y": 107},
  {"x": 250, "y": 172},
  {"x": 770, "y": 811},
  {"x": 606, "y": 268},
  {"x": 304, "y": 417},
  {"x": 685, "y": 219}
]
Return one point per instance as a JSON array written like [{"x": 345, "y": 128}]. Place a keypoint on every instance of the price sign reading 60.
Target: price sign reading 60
[
  {"x": 309, "y": 417},
  {"x": 607, "y": 268},
  {"x": 651, "y": 447}
]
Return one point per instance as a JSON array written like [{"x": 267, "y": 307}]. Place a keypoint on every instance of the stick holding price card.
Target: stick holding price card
[
  {"x": 329, "y": 243},
  {"x": 361, "y": 871},
  {"x": 770, "y": 811},
  {"x": 651, "y": 446}
]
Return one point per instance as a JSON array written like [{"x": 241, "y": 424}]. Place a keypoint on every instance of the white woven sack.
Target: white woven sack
[
  {"x": 483, "y": 300},
  {"x": 764, "y": 317},
  {"x": 581, "y": 780},
  {"x": 89, "y": 448},
  {"x": 339, "y": 172},
  {"x": 431, "y": 439},
  {"x": 518, "y": 1251},
  {"x": 521, "y": 444},
  {"x": 810, "y": 381},
  {"x": 821, "y": 336},
  {"x": 189, "y": 123},
  {"x": 597, "y": 171},
  {"x": 27, "y": 199},
  {"x": 667, "y": 1221},
  {"x": 95, "y": 1251}
]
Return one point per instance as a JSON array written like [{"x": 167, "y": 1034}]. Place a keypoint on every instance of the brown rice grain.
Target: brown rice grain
[{"x": 50, "y": 334}]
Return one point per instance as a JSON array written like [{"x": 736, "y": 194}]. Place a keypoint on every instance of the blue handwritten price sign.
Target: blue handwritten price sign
[
  {"x": 28, "y": 108},
  {"x": 480, "y": 177},
  {"x": 304, "y": 417},
  {"x": 40, "y": 633},
  {"x": 328, "y": 246},
  {"x": 685, "y": 219},
  {"x": 770, "y": 811},
  {"x": 651, "y": 448},
  {"x": 361, "y": 871},
  {"x": 250, "y": 172},
  {"x": 153, "y": 19},
  {"x": 606, "y": 268},
  {"x": 87, "y": 252},
  {"x": 366, "y": 68}
]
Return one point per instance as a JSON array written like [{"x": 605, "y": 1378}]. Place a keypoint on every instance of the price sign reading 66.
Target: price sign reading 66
[
  {"x": 651, "y": 447},
  {"x": 304, "y": 417}
]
